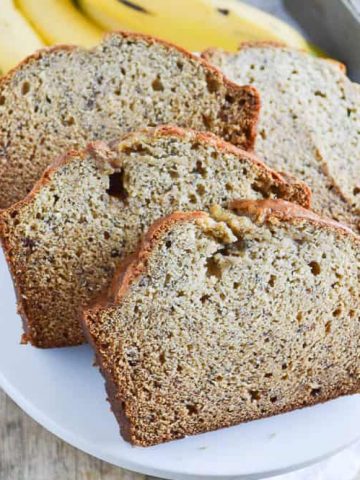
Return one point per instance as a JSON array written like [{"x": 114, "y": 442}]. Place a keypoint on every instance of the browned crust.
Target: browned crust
[
  {"x": 27, "y": 322},
  {"x": 254, "y": 103},
  {"x": 265, "y": 210},
  {"x": 136, "y": 265}
]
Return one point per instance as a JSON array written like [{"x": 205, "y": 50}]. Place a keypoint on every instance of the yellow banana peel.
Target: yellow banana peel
[
  {"x": 17, "y": 38},
  {"x": 194, "y": 24},
  {"x": 59, "y": 21}
]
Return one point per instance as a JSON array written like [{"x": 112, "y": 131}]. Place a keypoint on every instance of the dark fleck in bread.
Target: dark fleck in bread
[
  {"x": 65, "y": 239},
  {"x": 309, "y": 123},
  {"x": 226, "y": 318},
  {"x": 63, "y": 97}
]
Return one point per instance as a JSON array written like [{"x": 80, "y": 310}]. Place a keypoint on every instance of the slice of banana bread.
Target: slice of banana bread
[
  {"x": 63, "y": 97},
  {"x": 309, "y": 123},
  {"x": 227, "y": 318},
  {"x": 65, "y": 239}
]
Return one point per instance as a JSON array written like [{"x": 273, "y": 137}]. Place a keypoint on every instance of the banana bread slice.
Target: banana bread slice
[
  {"x": 309, "y": 123},
  {"x": 64, "y": 97},
  {"x": 221, "y": 319},
  {"x": 65, "y": 239}
]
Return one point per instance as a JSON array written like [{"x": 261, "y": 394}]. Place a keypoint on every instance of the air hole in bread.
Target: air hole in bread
[
  {"x": 315, "y": 268},
  {"x": 254, "y": 395},
  {"x": 25, "y": 88},
  {"x": 327, "y": 327},
  {"x": 229, "y": 99},
  {"x": 356, "y": 189},
  {"x": 204, "y": 298},
  {"x": 157, "y": 85},
  {"x": 213, "y": 268},
  {"x": 2, "y": 100},
  {"x": 229, "y": 187},
  {"x": 174, "y": 174},
  {"x": 212, "y": 83},
  {"x": 337, "y": 312},
  {"x": 69, "y": 121},
  {"x": 195, "y": 146},
  {"x": 271, "y": 281},
  {"x": 116, "y": 186},
  {"x": 180, "y": 64},
  {"x": 200, "y": 169},
  {"x": 200, "y": 190},
  {"x": 162, "y": 358},
  {"x": 168, "y": 243},
  {"x": 132, "y": 357},
  {"x": 315, "y": 392},
  {"x": 208, "y": 121},
  {"x": 268, "y": 375},
  {"x": 273, "y": 399},
  {"x": 262, "y": 134},
  {"x": 117, "y": 91},
  {"x": 192, "y": 198},
  {"x": 106, "y": 235},
  {"x": 351, "y": 313},
  {"x": 192, "y": 409}
]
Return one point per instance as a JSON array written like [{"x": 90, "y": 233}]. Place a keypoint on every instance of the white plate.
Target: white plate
[{"x": 62, "y": 391}]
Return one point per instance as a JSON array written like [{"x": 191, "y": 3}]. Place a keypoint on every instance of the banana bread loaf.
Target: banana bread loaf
[
  {"x": 309, "y": 122},
  {"x": 221, "y": 319},
  {"x": 63, "y": 97}
]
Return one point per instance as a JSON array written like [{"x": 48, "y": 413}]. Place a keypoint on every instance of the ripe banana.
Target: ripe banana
[
  {"x": 194, "y": 24},
  {"x": 17, "y": 38},
  {"x": 58, "y": 21}
]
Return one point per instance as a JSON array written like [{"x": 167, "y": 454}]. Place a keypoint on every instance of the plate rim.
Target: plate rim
[{"x": 137, "y": 467}]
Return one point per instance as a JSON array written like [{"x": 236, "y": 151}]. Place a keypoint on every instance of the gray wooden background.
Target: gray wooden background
[{"x": 29, "y": 452}]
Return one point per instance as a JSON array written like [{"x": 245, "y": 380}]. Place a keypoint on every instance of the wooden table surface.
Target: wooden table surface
[{"x": 29, "y": 452}]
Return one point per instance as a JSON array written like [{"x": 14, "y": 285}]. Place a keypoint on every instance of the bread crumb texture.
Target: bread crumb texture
[
  {"x": 309, "y": 123},
  {"x": 63, "y": 97},
  {"x": 214, "y": 330},
  {"x": 65, "y": 240}
]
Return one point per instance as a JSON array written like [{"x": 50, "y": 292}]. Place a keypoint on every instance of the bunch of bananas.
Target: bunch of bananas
[{"x": 26, "y": 25}]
